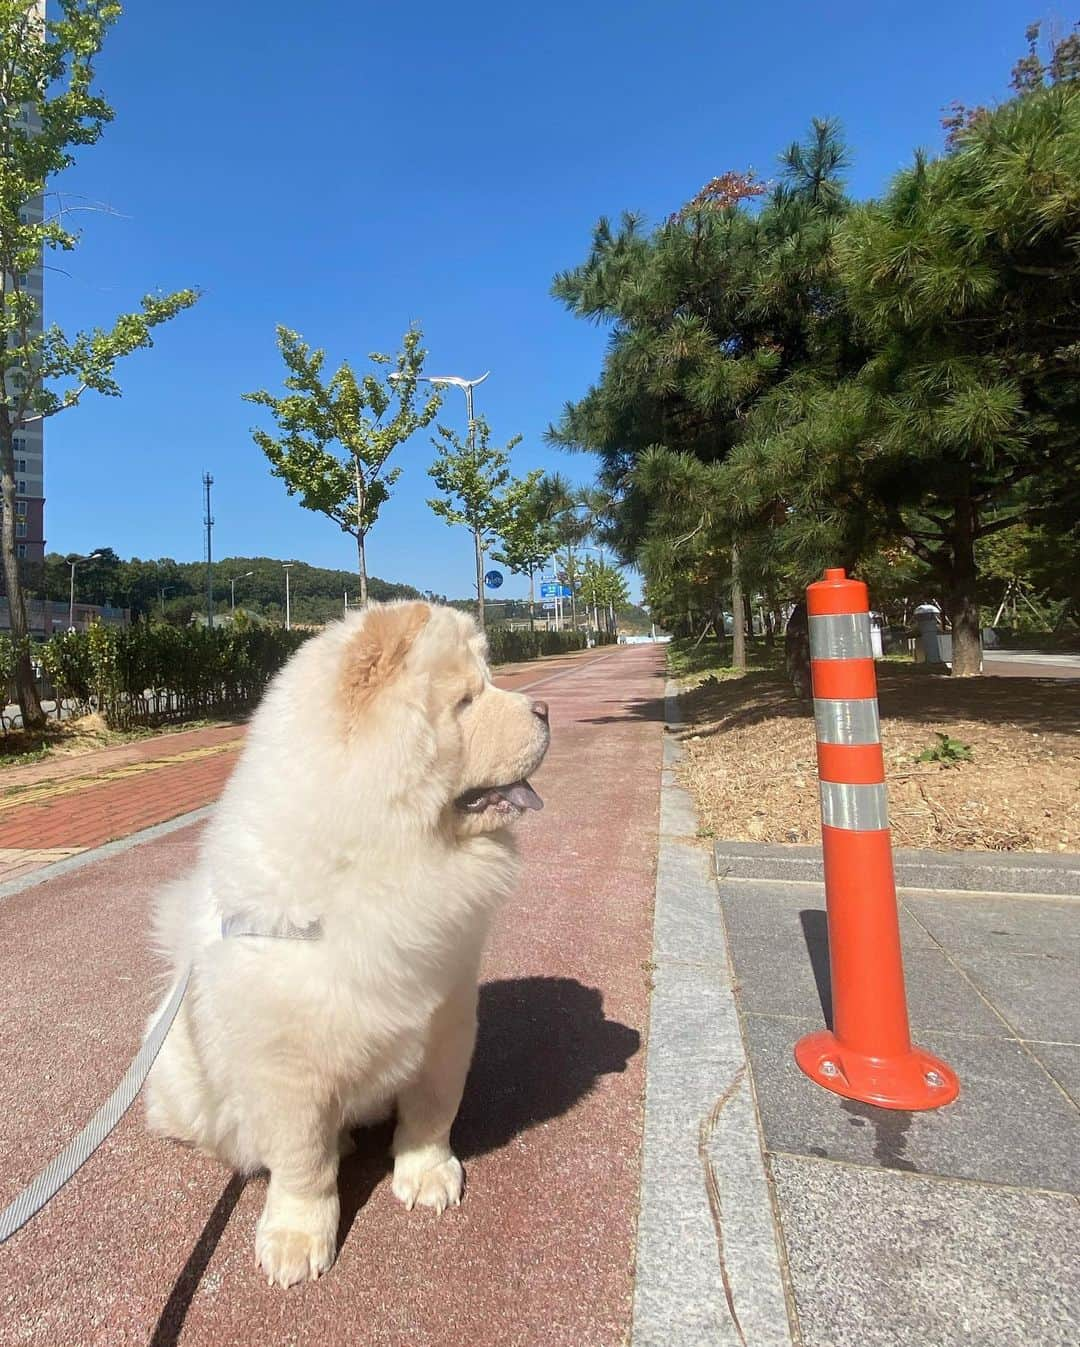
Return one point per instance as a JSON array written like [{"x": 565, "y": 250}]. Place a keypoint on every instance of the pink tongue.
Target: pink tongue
[{"x": 522, "y": 795}]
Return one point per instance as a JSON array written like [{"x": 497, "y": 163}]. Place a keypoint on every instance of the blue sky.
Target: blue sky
[{"x": 349, "y": 169}]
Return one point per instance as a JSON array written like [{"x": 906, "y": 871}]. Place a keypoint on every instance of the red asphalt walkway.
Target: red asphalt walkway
[{"x": 153, "y": 1243}]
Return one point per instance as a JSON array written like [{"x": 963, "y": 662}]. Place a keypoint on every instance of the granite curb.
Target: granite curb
[{"x": 708, "y": 1263}]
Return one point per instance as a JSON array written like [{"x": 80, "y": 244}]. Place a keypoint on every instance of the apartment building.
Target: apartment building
[{"x": 29, "y": 440}]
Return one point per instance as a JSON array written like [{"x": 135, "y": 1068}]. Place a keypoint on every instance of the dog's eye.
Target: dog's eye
[{"x": 465, "y": 701}]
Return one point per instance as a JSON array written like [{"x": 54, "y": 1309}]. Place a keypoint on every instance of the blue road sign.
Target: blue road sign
[
  {"x": 551, "y": 589},
  {"x": 493, "y": 579}
]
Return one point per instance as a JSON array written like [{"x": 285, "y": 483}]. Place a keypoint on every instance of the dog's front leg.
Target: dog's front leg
[
  {"x": 426, "y": 1171},
  {"x": 296, "y": 1238}
]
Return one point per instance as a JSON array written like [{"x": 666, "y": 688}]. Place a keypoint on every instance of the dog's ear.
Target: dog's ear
[{"x": 378, "y": 650}]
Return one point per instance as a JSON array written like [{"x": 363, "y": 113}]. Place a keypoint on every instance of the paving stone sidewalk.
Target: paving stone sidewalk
[{"x": 954, "y": 1226}]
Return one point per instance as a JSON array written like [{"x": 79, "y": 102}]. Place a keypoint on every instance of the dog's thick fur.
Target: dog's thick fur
[{"x": 362, "y": 801}]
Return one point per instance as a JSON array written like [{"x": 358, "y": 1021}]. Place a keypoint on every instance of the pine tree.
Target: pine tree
[
  {"x": 710, "y": 312},
  {"x": 963, "y": 421}
]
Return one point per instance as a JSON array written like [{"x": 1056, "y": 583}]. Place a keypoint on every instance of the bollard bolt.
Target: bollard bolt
[{"x": 829, "y": 1069}]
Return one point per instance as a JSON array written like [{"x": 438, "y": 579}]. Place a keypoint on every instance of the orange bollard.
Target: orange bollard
[{"x": 868, "y": 1055}]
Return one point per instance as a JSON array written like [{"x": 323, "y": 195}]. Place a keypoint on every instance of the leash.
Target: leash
[{"x": 80, "y": 1148}]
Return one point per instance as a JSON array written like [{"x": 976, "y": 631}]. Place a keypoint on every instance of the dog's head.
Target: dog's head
[{"x": 416, "y": 696}]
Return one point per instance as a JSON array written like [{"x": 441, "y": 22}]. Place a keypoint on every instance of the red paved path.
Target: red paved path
[{"x": 153, "y": 1243}]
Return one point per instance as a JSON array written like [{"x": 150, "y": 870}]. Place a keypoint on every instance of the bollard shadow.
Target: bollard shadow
[{"x": 815, "y": 929}]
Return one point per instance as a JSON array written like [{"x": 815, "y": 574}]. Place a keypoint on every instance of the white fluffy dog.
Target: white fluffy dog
[{"x": 336, "y": 918}]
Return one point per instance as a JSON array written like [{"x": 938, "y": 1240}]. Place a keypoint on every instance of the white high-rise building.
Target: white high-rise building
[{"x": 29, "y": 440}]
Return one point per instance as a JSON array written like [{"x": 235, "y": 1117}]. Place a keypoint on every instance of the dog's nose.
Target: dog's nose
[{"x": 540, "y": 709}]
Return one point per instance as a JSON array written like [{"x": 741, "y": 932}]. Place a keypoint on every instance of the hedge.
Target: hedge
[
  {"x": 149, "y": 675},
  {"x": 508, "y": 647}
]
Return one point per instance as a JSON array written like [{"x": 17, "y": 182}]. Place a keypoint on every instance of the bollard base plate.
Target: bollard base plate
[{"x": 915, "y": 1080}]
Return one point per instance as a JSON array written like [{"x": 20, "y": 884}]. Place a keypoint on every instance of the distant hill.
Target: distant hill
[{"x": 178, "y": 588}]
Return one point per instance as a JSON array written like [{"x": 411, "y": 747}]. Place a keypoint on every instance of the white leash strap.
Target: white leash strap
[{"x": 80, "y": 1148}]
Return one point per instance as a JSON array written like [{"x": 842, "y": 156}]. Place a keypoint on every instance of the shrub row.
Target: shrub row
[
  {"x": 508, "y": 647},
  {"x": 148, "y": 675}
]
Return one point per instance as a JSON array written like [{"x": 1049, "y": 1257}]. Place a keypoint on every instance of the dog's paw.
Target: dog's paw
[
  {"x": 424, "y": 1179},
  {"x": 299, "y": 1251}
]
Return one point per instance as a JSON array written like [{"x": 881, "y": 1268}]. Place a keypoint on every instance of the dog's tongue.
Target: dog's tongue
[{"x": 522, "y": 795}]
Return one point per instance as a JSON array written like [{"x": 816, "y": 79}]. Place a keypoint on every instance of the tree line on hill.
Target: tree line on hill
[{"x": 175, "y": 591}]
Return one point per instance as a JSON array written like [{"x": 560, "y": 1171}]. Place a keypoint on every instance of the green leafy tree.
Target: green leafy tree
[
  {"x": 526, "y": 539},
  {"x": 47, "y": 110},
  {"x": 604, "y": 590},
  {"x": 480, "y": 492},
  {"x": 368, "y": 417}
]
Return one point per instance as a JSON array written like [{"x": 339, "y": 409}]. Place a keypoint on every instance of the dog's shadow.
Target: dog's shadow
[{"x": 542, "y": 1043}]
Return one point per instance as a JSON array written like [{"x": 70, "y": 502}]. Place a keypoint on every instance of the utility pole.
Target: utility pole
[
  {"x": 288, "y": 601},
  {"x": 208, "y": 520}
]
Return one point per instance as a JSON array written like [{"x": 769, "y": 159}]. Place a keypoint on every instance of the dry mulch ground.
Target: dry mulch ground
[{"x": 751, "y": 762}]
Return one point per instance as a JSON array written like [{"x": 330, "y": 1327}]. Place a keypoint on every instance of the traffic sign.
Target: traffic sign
[
  {"x": 493, "y": 579},
  {"x": 551, "y": 589}
]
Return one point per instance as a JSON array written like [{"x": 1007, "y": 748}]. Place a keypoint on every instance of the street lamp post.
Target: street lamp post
[
  {"x": 73, "y": 562},
  {"x": 466, "y": 386},
  {"x": 286, "y": 566},
  {"x": 232, "y": 589}
]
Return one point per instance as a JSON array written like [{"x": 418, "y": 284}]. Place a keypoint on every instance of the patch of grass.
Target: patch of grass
[
  {"x": 693, "y": 665},
  {"x": 17, "y": 758}
]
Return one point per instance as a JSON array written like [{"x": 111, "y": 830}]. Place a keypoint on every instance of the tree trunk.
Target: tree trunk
[
  {"x": 963, "y": 597},
  {"x": 361, "y": 559},
  {"x": 797, "y": 650},
  {"x": 738, "y": 613},
  {"x": 532, "y": 600},
  {"x": 33, "y": 717},
  {"x": 479, "y": 580}
]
